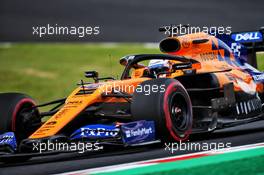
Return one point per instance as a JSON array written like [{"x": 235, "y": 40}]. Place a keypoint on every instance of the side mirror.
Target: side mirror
[
  {"x": 92, "y": 74},
  {"x": 126, "y": 59}
]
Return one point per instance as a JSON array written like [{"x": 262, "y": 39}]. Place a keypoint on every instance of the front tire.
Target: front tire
[
  {"x": 18, "y": 114},
  {"x": 170, "y": 109}
]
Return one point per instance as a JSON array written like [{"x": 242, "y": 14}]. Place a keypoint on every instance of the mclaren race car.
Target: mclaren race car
[{"x": 201, "y": 83}]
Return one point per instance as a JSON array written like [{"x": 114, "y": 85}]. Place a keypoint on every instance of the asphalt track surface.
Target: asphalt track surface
[
  {"x": 124, "y": 21},
  {"x": 237, "y": 136}
]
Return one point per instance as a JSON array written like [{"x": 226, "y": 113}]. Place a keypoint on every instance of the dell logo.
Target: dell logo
[{"x": 248, "y": 36}]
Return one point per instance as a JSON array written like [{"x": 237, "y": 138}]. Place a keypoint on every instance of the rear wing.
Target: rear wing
[
  {"x": 247, "y": 43},
  {"x": 253, "y": 41},
  {"x": 244, "y": 46}
]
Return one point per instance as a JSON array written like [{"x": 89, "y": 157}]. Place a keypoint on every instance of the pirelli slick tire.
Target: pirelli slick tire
[
  {"x": 170, "y": 108},
  {"x": 17, "y": 114}
]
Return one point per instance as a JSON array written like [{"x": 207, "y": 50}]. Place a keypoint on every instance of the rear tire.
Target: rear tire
[
  {"x": 170, "y": 109},
  {"x": 17, "y": 115}
]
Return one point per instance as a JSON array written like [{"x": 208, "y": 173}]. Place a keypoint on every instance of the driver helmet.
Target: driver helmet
[{"x": 159, "y": 65}]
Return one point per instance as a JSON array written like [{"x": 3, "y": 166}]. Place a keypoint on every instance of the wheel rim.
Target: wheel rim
[{"x": 179, "y": 114}]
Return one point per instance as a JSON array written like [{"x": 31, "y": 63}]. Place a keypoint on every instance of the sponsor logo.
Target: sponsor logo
[
  {"x": 259, "y": 77},
  {"x": 96, "y": 131},
  {"x": 101, "y": 132},
  {"x": 139, "y": 132},
  {"x": 8, "y": 139},
  {"x": 186, "y": 43},
  {"x": 51, "y": 123},
  {"x": 208, "y": 56},
  {"x": 74, "y": 102},
  {"x": 61, "y": 113},
  {"x": 47, "y": 126},
  {"x": 247, "y": 37}
]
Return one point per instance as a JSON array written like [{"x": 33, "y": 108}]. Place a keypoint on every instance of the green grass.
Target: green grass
[
  {"x": 50, "y": 71},
  {"x": 260, "y": 61}
]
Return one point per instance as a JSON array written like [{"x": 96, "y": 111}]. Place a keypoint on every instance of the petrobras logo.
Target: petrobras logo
[
  {"x": 247, "y": 37},
  {"x": 138, "y": 132}
]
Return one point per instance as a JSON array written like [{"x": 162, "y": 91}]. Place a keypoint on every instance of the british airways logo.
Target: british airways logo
[{"x": 247, "y": 37}]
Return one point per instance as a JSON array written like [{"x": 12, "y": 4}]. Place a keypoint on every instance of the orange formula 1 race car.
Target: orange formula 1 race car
[{"x": 201, "y": 84}]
